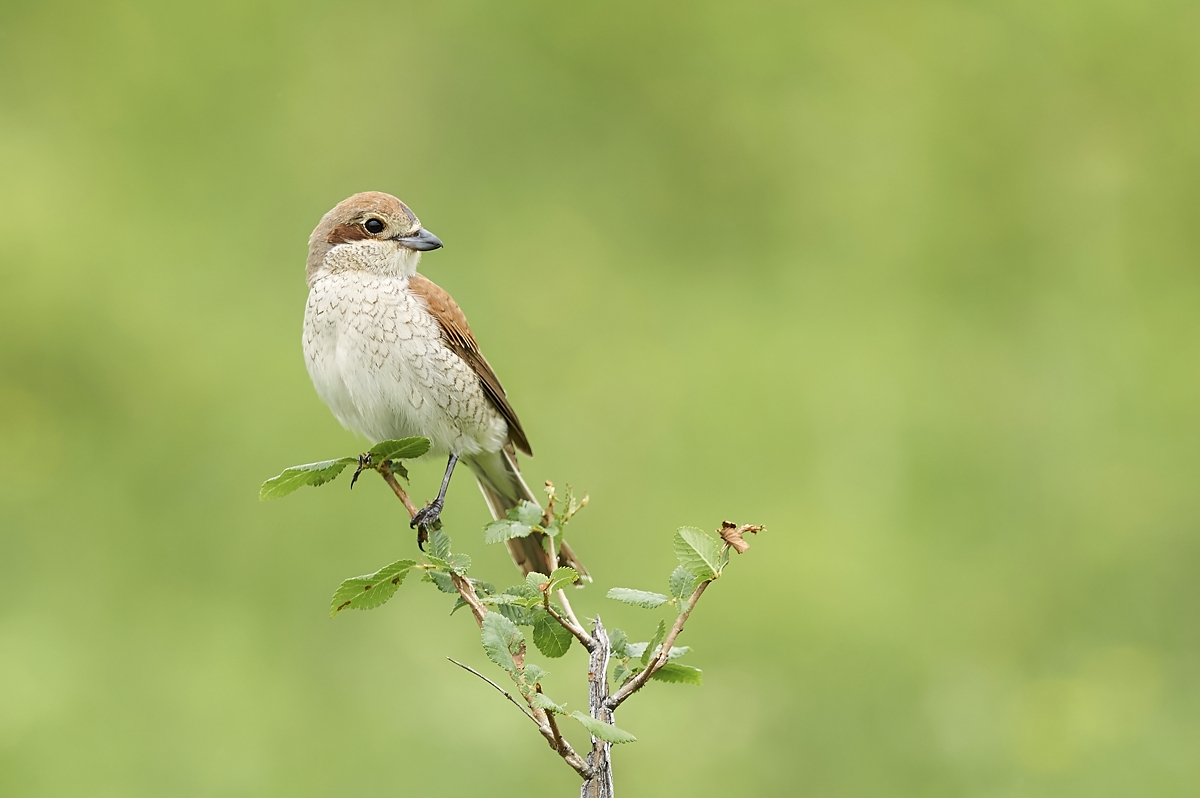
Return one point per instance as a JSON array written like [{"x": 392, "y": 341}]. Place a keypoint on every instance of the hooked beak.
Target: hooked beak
[{"x": 422, "y": 241}]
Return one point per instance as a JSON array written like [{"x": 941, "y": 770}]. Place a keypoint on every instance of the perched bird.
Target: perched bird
[{"x": 392, "y": 356}]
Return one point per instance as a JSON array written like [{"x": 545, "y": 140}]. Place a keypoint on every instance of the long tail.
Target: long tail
[{"x": 504, "y": 488}]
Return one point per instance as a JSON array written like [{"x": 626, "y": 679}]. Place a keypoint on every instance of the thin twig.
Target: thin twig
[
  {"x": 503, "y": 692},
  {"x": 580, "y": 634},
  {"x": 566, "y": 605},
  {"x": 385, "y": 471},
  {"x": 664, "y": 651},
  {"x": 467, "y": 591}
]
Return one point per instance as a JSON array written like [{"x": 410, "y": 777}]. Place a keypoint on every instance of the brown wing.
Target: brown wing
[{"x": 457, "y": 335}]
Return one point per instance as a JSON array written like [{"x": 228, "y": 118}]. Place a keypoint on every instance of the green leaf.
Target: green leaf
[
  {"x": 699, "y": 553},
  {"x": 502, "y": 641},
  {"x": 370, "y": 591},
  {"x": 505, "y": 529},
  {"x": 535, "y": 581},
  {"x": 549, "y": 635},
  {"x": 527, "y": 513},
  {"x": 682, "y": 583},
  {"x": 603, "y": 731},
  {"x": 636, "y": 650},
  {"x": 459, "y": 563},
  {"x": 296, "y": 477},
  {"x": 616, "y": 643},
  {"x": 678, "y": 674},
  {"x": 638, "y": 598},
  {"x": 561, "y": 578},
  {"x": 541, "y": 701},
  {"x": 533, "y": 674},
  {"x": 439, "y": 544},
  {"x": 659, "y": 634},
  {"x": 442, "y": 580},
  {"x": 621, "y": 673},
  {"x": 403, "y": 449}
]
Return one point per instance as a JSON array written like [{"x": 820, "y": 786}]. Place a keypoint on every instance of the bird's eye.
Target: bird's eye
[{"x": 373, "y": 226}]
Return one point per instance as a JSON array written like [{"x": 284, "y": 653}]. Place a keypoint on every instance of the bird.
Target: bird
[{"x": 392, "y": 356}]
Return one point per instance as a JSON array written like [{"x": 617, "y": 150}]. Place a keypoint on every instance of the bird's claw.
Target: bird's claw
[
  {"x": 364, "y": 462},
  {"x": 425, "y": 520}
]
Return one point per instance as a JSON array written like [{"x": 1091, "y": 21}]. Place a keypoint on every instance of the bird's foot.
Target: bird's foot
[
  {"x": 364, "y": 462},
  {"x": 426, "y": 520}
]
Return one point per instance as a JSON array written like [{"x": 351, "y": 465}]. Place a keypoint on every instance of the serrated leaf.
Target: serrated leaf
[
  {"x": 698, "y": 553},
  {"x": 533, "y": 674},
  {"x": 370, "y": 591},
  {"x": 561, "y": 578},
  {"x": 459, "y": 563},
  {"x": 541, "y": 701},
  {"x": 603, "y": 731},
  {"x": 505, "y": 529},
  {"x": 535, "y": 581},
  {"x": 678, "y": 674},
  {"x": 549, "y": 635},
  {"x": 652, "y": 646},
  {"x": 403, "y": 449},
  {"x": 442, "y": 580},
  {"x": 638, "y": 598},
  {"x": 296, "y": 477},
  {"x": 621, "y": 673},
  {"x": 527, "y": 513},
  {"x": 636, "y": 650},
  {"x": 616, "y": 643},
  {"x": 502, "y": 641},
  {"x": 439, "y": 544},
  {"x": 681, "y": 583}
]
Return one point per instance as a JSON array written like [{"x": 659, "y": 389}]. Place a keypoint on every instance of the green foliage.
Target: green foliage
[
  {"x": 636, "y": 650},
  {"x": 532, "y": 674},
  {"x": 403, "y": 449},
  {"x": 603, "y": 731},
  {"x": 296, "y": 477},
  {"x": 678, "y": 674},
  {"x": 681, "y": 584},
  {"x": 439, "y": 544},
  {"x": 560, "y": 579},
  {"x": 370, "y": 591},
  {"x": 621, "y": 673},
  {"x": 519, "y": 522},
  {"x": 638, "y": 598},
  {"x": 699, "y": 553},
  {"x": 541, "y": 701},
  {"x": 443, "y": 582},
  {"x": 502, "y": 641},
  {"x": 616, "y": 643},
  {"x": 659, "y": 634},
  {"x": 504, "y": 529},
  {"x": 549, "y": 635},
  {"x": 315, "y": 474}
]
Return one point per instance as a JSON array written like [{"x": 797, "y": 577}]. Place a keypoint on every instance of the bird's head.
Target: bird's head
[{"x": 371, "y": 231}]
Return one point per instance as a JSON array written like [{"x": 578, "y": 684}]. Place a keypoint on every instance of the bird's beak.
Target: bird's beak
[{"x": 422, "y": 240}]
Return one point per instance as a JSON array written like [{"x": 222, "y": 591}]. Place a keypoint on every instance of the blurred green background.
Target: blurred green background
[{"x": 914, "y": 284}]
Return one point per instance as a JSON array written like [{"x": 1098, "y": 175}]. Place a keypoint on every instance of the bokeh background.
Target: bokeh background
[{"x": 914, "y": 284}]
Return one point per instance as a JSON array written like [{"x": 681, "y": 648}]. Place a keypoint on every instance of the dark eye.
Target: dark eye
[{"x": 374, "y": 226}]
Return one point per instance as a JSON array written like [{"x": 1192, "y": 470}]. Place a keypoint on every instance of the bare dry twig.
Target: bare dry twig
[{"x": 503, "y": 692}]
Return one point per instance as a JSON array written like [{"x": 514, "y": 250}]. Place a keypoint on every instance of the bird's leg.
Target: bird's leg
[{"x": 425, "y": 520}]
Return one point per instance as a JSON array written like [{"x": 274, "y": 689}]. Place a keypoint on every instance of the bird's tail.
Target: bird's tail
[{"x": 504, "y": 488}]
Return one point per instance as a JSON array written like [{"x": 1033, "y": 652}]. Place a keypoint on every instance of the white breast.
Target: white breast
[{"x": 376, "y": 357}]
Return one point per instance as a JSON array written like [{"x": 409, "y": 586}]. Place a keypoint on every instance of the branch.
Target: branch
[
  {"x": 660, "y": 658},
  {"x": 467, "y": 591},
  {"x": 503, "y": 692},
  {"x": 385, "y": 471},
  {"x": 600, "y": 783},
  {"x": 569, "y": 624}
]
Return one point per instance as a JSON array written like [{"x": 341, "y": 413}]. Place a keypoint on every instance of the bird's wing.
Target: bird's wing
[{"x": 457, "y": 335}]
